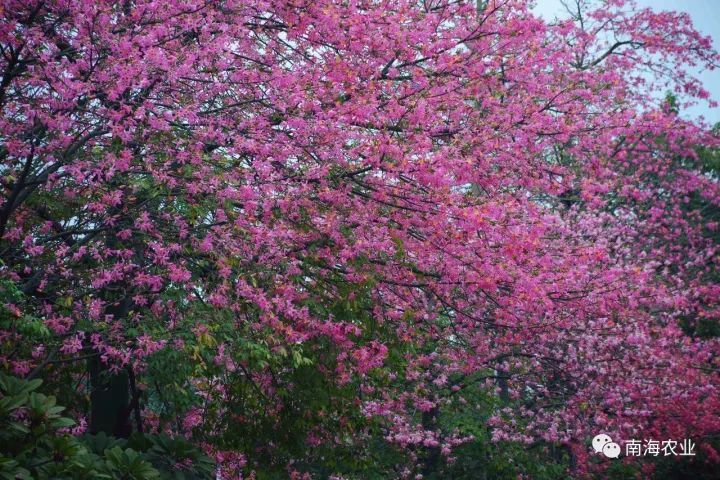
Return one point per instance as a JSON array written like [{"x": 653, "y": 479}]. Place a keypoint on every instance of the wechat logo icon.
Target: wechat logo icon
[{"x": 603, "y": 443}]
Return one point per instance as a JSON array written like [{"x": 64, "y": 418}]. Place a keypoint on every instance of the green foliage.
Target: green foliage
[
  {"x": 33, "y": 446},
  {"x": 166, "y": 453},
  {"x": 31, "y": 328},
  {"x": 129, "y": 464}
]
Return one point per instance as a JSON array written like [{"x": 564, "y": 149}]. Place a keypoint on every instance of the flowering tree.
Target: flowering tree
[{"x": 279, "y": 226}]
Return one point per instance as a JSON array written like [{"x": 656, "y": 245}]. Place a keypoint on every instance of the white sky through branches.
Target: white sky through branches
[{"x": 705, "y": 15}]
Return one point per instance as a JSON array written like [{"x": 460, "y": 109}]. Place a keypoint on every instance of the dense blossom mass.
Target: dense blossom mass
[{"x": 283, "y": 226}]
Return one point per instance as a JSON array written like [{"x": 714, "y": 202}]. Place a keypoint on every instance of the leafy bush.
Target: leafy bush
[{"x": 33, "y": 445}]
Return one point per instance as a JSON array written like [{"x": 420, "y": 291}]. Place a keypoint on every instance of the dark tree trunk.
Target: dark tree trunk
[
  {"x": 109, "y": 400},
  {"x": 431, "y": 460},
  {"x": 110, "y": 404}
]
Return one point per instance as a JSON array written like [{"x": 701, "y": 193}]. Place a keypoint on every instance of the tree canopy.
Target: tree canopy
[{"x": 355, "y": 239}]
